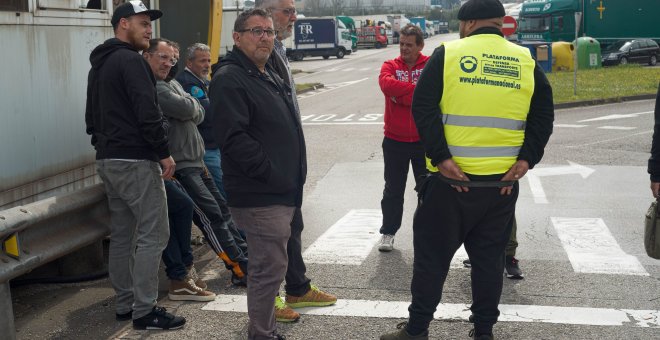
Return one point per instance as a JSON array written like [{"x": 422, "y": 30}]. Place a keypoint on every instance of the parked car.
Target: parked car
[{"x": 640, "y": 51}]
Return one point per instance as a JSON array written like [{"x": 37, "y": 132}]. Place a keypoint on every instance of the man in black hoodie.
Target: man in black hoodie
[{"x": 129, "y": 134}]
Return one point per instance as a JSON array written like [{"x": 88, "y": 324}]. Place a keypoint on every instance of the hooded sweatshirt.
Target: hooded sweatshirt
[
  {"x": 122, "y": 113},
  {"x": 397, "y": 81}
]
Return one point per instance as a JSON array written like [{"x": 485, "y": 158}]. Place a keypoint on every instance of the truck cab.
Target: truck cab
[
  {"x": 372, "y": 36},
  {"x": 547, "y": 20}
]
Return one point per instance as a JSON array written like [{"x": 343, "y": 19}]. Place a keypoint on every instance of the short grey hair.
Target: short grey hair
[{"x": 190, "y": 52}]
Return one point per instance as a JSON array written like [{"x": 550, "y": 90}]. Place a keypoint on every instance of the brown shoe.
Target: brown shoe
[
  {"x": 284, "y": 313},
  {"x": 186, "y": 290},
  {"x": 313, "y": 298},
  {"x": 192, "y": 273}
]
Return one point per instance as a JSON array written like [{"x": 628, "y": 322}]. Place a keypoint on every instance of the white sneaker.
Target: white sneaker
[{"x": 386, "y": 243}]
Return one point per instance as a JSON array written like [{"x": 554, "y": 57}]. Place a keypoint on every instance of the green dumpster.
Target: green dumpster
[{"x": 588, "y": 53}]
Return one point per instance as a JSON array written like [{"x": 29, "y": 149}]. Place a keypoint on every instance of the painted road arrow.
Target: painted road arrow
[
  {"x": 533, "y": 176},
  {"x": 615, "y": 116}
]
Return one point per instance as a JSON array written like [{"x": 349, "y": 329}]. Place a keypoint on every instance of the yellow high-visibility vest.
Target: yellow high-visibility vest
[{"x": 488, "y": 86}]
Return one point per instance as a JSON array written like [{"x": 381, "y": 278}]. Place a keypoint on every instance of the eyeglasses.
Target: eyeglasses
[
  {"x": 165, "y": 57},
  {"x": 259, "y": 32},
  {"x": 287, "y": 11}
]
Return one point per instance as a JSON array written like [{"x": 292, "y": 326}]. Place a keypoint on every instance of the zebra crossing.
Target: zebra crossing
[{"x": 596, "y": 247}]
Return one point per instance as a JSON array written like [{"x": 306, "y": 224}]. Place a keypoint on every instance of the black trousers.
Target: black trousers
[
  {"x": 212, "y": 216},
  {"x": 397, "y": 156},
  {"x": 444, "y": 220},
  {"x": 296, "y": 283}
]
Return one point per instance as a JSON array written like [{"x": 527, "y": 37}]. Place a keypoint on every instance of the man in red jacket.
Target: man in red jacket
[{"x": 401, "y": 145}]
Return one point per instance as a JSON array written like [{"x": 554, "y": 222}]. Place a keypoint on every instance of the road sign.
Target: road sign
[{"x": 509, "y": 25}]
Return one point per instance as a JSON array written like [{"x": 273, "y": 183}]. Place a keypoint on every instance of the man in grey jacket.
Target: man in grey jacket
[{"x": 211, "y": 213}]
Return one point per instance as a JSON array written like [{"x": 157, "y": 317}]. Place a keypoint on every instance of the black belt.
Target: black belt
[{"x": 475, "y": 184}]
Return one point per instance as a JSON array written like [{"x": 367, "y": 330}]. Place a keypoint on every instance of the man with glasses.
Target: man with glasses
[
  {"x": 132, "y": 154},
  {"x": 187, "y": 146},
  {"x": 299, "y": 291},
  {"x": 263, "y": 152}
]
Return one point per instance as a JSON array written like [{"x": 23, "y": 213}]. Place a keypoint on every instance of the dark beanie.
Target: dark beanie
[{"x": 481, "y": 9}]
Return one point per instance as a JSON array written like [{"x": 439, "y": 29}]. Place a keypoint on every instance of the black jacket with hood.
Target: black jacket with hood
[
  {"x": 260, "y": 135},
  {"x": 122, "y": 112}
]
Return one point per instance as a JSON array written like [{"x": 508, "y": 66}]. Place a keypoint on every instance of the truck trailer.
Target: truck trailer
[
  {"x": 605, "y": 20},
  {"x": 319, "y": 37}
]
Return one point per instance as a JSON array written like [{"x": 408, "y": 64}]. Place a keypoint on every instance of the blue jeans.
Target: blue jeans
[
  {"x": 177, "y": 256},
  {"x": 213, "y": 162}
]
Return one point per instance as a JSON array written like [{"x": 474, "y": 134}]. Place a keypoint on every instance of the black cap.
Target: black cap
[
  {"x": 131, "y": 8},
  {"x": 481, "y": 9}
]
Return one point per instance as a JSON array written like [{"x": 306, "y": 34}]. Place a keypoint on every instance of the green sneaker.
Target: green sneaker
[
  {"x": 284, "y": 313},
  {"x": 313, "y": 298}
]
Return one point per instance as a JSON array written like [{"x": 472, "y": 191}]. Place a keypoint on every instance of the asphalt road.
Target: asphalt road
[{"x": 580, "y": 215}]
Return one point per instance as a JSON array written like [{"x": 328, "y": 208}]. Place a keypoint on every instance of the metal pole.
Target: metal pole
[
  {"x": 578, "y": 22},
  {"x": 6, "y": 313}
]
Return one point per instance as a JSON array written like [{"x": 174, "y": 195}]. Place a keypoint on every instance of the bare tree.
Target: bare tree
[
  {"x": 377, "y": 5},
  {"x": 337, "y": 6},
  {"x": 313, "y": 6}
]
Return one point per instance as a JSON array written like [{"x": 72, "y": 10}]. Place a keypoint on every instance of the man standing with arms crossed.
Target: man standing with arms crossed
[
  {"x": 299, "y": 291},
  {"x": 129, "y": 134},
  {"x": 194, "y": 80},
  {"x": 484, "y": 112},
  {"x": 401, "y": 145}
]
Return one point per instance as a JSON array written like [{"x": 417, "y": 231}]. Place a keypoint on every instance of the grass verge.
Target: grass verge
[
  {"x": 606, "y": 82},
  {"x": 305, "y": 86}
]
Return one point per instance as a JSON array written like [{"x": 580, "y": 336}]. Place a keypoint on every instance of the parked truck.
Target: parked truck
[
  {"x": 319, "y": 37},
  {"x": 421, "y": 23},
  {"x": 398, "y": 21},
  {"x": 606, "y": 20},
  {"x": 372, "y": 36},
  {"x": 350, "y": 25}
]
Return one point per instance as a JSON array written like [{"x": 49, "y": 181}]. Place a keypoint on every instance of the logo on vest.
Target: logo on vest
[{"x": 468, "y": 64}]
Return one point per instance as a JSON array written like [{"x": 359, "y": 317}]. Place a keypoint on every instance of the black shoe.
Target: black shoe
[
  {"x": 159, "y": 318},
  {"x": 124, "y": 317},
  {"x": 467, "y": 263},
  {"x": 239, "y": 281},
  {"x": 512, "y": 269},
  {"x": 402, "y": 334},
  {"x": 488, "y": 336},
  {"x": 280, "y": 337}
]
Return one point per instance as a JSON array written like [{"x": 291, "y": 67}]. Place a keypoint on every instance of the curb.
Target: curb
[
  {"x": 313, "y": 88},
  {"x": 603, "y": 101}
]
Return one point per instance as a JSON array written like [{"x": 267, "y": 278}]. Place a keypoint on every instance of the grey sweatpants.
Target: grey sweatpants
[{"x": 139, "y": 231}]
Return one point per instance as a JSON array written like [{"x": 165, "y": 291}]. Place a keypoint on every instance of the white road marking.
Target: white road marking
[
  {"x": 346, "y": 123},
  {"x": 454, "y": 311},
  {"x": 535, "y": 182},
  {"x": 348, "y": 69},
  {"x": 577, "y": 126},
  {"x": 617, "y": 127},
  {"x": 615, "y": 116},
  {"x": 365, "y": 69},
  {"x": 349, "y": 241},
  {"x": 591, "y": 248},
  {"x": 343, "y": 119},
  {"x": 332, "y": 87}
]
